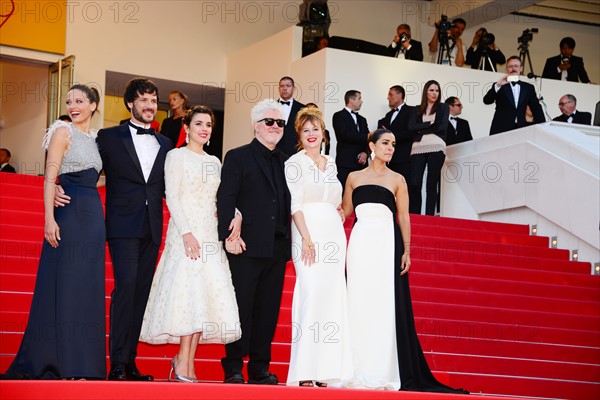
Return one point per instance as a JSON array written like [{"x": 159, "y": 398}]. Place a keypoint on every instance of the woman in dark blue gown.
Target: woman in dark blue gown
[
  {"x": 386, "y": 350},
  {"x": 65, "y": 336}
]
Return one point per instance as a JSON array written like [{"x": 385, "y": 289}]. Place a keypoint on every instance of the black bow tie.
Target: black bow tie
[
  {"x": 354, "y": 112},
  {"x": 287, "y": 103},
  {"x": 454, "y": 118},
  {"x": 396, "y": 109},
  {"x": 514, "y": 83},
  {"x": 143, "y": 131}
]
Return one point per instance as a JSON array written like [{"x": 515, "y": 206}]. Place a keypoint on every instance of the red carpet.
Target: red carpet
[{"x": 497, "y": 312}]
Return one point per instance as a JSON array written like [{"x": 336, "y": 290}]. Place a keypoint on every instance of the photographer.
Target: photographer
[
  {"x": 566, "y": 66},
  {"x": 453, "y": 31},
  {"x": 483, "y": 53},
  {"x": 403, "y": 46}
]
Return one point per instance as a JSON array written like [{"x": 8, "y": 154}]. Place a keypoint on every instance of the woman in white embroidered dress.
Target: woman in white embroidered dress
[{"x": 192, "y": 300}]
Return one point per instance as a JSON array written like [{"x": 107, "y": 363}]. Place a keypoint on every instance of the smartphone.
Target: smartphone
[{"x": 512, "y": 78}]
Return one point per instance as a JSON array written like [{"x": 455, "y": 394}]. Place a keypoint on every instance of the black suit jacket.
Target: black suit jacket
[
  {"x": 576, "y": 73},
  {"x": 414, "y": 53},
  {"x": 247, "y": 184},
  {"x": 288, "y": 142},
  {"x": 473, "y": 58},
  {"x": 8, "y": 168},
  {"x": 127, "y": 192},
  {"x": 439, "y": 127},
  {"x": 580, "y": 117},
  {"x": 504, "y": 117},
  {"x": 462, "y": 133},
  {"x": 404, "y": 138},
  {"x": 350, "y": 140}
]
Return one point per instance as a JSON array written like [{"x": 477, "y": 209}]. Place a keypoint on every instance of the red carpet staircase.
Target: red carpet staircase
[{"x": 497, "y": 311}]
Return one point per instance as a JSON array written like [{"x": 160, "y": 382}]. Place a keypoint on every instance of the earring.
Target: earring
[
  {"x": 208, "y": 142},
  {"x": 373, "y": 155},
  {"x": 187, "y": 137}
]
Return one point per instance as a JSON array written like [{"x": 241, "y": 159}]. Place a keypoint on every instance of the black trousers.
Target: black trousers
[
  {"x": 134, "y": 261},
  {"x": 403, "y": 169},
  {"x": 258, "y": 286},
  {"x": 434, "y": 162}
]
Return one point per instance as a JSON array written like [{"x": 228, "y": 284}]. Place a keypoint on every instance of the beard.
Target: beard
[{"x": 139, "y": 115}]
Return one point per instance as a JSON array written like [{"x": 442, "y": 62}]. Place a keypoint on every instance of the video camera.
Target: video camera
[
  {"x": 444, "y": 25},
  {"x": 527, "y": 35}
]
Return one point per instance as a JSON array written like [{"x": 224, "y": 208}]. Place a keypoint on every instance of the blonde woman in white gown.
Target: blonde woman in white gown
[
  {"x": 320, "y": 345},
  {"x": 192, "y": 299}
]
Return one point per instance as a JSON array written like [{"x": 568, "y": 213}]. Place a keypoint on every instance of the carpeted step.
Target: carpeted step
[
  {"x": 506, "y": 300},
  {"x": 502, "y": 285},
  {"x": 443, "y": 342}
]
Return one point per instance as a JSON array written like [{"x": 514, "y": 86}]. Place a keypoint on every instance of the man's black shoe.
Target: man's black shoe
[
  {"x": 134, "y": 374},
  {"x": 234, "y": 378},
  {"x": 268, "y": 379},
  {"x": 117, "y": 373}
]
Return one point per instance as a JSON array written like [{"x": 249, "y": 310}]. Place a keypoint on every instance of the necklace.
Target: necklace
[{"x": 317, "y": 162}]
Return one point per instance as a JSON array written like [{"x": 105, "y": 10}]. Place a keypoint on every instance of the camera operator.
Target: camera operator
[
  {"x": 483, "y": 53},
  {"x": 453, "y": 32},
  {"x": 403, "y": 46},
  {"x": 566, "y": 66}
]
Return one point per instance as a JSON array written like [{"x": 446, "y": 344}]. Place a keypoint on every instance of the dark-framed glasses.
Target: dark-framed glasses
[
  {"x": 562, "y": 103},
  {"x": 457, "y": 105},
  {"x": 270, "y": 121}
]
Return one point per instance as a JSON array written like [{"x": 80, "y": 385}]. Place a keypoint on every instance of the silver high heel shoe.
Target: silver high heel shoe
[{"x": 178, "y": 378}]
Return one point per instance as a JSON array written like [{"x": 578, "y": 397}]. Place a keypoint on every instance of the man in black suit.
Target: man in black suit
[
  {"x": 512, "y": 99},
  {"x": 133, "y": 159},
  {"x": 403, "y": 46},
  {"x": 351, "y": 132},
  {"x": 4, "y": 161},
  {"x": 568, "y": 107},
  {"x": 290, "y": 109},
  {"x": 458, "y": 129},
  {"x": 396, "y": 120},
  {"x": 566, "y": 66},
  {"x": 253, "y": 182}
]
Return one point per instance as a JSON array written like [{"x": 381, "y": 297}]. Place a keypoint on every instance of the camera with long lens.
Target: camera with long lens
[
  {"x": 486, "y": 39},
  {"x": 527, "y": 35},
  {"x": 404, "y": 37}
]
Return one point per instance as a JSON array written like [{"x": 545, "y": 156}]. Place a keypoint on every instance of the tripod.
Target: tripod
[
  {"x": 444, "y": 49},
  {"x": 485, "y": 60},
  {"x": 524, "y": 55}
]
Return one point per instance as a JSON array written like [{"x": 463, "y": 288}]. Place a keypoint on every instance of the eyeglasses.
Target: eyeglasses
[
  {"x": 270, "y": 121},
  {"x": 566, "y": 102},
  {"x": 457, "y": 105}
]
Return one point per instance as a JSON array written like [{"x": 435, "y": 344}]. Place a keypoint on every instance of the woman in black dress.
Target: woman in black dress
[
  {"x": 172, "y": 126},
  {"x": 65, "y": 336}
]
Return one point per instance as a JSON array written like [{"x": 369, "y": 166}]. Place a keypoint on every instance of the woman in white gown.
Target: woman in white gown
[
  {"x": 320, "y": 344},
  {"x": 386, "y": 349},
  {"x": 192, "y": 299}
]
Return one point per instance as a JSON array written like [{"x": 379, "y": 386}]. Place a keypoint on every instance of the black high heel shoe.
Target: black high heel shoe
[{"x": 178, "y": 378}]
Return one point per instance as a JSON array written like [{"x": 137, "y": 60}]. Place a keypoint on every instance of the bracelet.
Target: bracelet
[{"x": 310, "y": 245}]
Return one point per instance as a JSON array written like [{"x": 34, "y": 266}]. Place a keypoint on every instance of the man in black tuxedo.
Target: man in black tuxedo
[
  {"x": 568, "y": 107},
  {"x": 351, "y": 133},
  {"x": 133, "y": 159},
  {"x": 512, "y": 99},
  {"x": 396, "y": 120},
  {"x": 4, "y": 161},
  {"x": 290, "y": 109},
  {"x": 403, "y": 46},
  {"x": 253, "y": 182},
  {"x": 566, "y": 66},
  {"x": 458, "y": 129}
]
